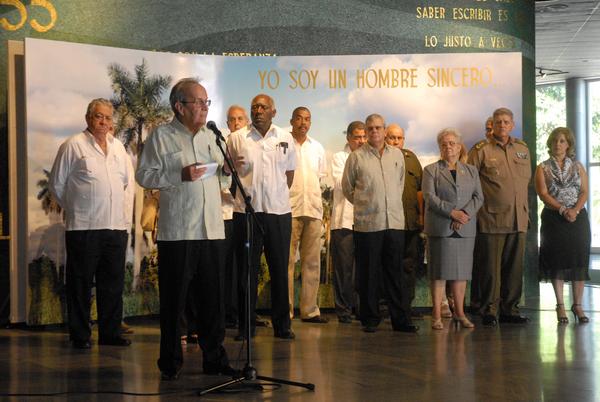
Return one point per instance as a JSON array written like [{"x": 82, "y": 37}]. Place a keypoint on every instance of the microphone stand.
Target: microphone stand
[{"x": 249, "y": 373}]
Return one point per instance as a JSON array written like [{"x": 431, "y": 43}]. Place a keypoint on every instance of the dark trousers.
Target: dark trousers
[
  {"x": 341, "y": 247},
  {"x": 276, "y": 245},
  {"x": 232, "y": 289},
  {"x": 98, "y": 254},
  {"x": 189, "y": 319},
  {"x": 500, "y": 261},
  {"x": 191, "y": 267},
  {"x": 380, "y": 254}
]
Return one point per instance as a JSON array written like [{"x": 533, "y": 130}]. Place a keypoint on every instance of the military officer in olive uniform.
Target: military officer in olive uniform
[
  {"x": 504, "y": 166},
  {"x": 413, "y": 244}
]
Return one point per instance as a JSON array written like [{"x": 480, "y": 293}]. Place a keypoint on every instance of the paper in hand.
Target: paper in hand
[{"x": 211, "y": 169}]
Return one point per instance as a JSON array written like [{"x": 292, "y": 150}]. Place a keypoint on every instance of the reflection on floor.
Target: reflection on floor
[{"x": 534, "y": 362}]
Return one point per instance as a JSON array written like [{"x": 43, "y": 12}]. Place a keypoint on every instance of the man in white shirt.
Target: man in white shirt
[
  {"x": 341, "y": 241},
  {"x": 307, "y": 216},
  {"x": 373, "y": 182},
  {"x": 175, "y": 160},
  {"x": 265, "y": 159},
  {"x": 89, "y": 180}
]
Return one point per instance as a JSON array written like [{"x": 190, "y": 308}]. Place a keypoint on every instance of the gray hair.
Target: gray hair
[
  {"x": 503, "y": 110},
  {"x": 177, "y": 92},
  {"x": 96, "y": 102},
  {"x": 449, "y": 130},
  {"x": 236, "y": 107},
  {"x": 374, "y": 116}
]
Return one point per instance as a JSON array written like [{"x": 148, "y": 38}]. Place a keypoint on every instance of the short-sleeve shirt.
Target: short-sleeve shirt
[
  {"x": 374, "y": 184},
  {"x": 305, "y": 193},
  {"x": 264, "y": 175}
]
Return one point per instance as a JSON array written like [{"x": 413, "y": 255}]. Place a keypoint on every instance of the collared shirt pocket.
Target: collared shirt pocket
[
  {"x": 491, "y": 170},
  {"x": 523, "y": 167},
  {"x": 276, "y": 154},
  {"x": 87, "y": 167}
]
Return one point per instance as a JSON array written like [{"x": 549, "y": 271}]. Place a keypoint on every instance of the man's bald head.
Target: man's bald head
[{"x": 394, "y": 136}]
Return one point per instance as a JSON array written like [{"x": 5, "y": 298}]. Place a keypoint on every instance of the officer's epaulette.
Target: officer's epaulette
[
  {"x": 519, "y": 141},
  {"x": 480, "y": 144}
]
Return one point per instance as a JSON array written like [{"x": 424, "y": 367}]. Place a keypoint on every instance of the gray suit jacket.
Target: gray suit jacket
[{"x": 442, "y": 195}]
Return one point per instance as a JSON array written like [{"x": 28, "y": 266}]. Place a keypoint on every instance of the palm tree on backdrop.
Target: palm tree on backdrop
[
  {"x": 137, "y": 99},
  {"x": 49, "y": 203},
  {"x": 138, "y": 103},
  {"x": 53, "y": 210}
]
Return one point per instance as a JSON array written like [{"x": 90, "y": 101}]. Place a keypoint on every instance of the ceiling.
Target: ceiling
[{"x": 567, "y": 39}]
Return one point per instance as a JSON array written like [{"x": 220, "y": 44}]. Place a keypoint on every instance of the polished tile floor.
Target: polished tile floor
[{"x": 541, "y": 361}]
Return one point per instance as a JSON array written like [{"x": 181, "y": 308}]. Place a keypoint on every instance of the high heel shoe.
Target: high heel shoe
[
  {"x": 437, "y": 323},
  {"x": 581, "y": 318},
  {"x": 463, "y": 322},
  {"x": 561, "y": 315},
  {"x": 446, "y": 312}
]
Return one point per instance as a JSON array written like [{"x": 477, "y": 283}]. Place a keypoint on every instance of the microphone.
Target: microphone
[{"x": 213, "y": 127}]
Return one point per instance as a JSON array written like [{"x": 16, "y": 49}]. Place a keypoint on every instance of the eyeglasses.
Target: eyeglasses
[
  {"x": 199, "y": 102},
  {"x": 100, "y": 116}
]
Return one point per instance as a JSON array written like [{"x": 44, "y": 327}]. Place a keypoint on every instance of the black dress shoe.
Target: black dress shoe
[
  {"x": 489, "y": 320},
  {"x": 218, "y": 369},
  {"x": 345, "y": 319},
  {"x": 170, "y": 375},
  {"x": 316, "y": 320},
  {"x": 514, "y": 319},
  {"x": 411, "y": 328},
  {"x": 118, "y": 341},
  {"x": 369, "y": 329},
  {"x": 82, "y": 345},
  {"x": 288, "y": 334}
]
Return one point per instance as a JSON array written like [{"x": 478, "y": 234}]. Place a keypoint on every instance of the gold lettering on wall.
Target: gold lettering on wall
[
  {"x": 482, "y": 12},
  {"x": 459, "y": 77},
  {"x": 22, "y": 10},
  {"x": 386, "y": 78},
  {"x": 437, "y": 13},
  {"x": 472, "y": 14}
]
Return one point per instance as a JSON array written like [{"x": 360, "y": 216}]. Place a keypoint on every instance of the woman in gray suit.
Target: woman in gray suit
[{"x": 453, "y": 195}]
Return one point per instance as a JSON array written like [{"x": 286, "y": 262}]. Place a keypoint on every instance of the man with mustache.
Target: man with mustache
[{"x": 307, "y": 216}]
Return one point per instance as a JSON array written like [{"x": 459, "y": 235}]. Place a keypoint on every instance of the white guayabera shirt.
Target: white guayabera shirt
[
  {"x": 188, "y": 210},
  {"x": 305, "y": 193},
  {"x": 263, "y": 176},
  {"x": 89, "y": 185}
]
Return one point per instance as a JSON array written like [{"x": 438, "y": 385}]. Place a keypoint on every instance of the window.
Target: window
[{"x": 593, "y": 145}]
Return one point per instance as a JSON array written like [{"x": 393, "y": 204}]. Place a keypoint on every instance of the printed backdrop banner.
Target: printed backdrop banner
[{"x": 421, "y": 92}]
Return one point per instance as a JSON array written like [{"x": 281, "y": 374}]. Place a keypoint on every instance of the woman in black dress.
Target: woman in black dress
[{"x": 562, "y": 184}]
